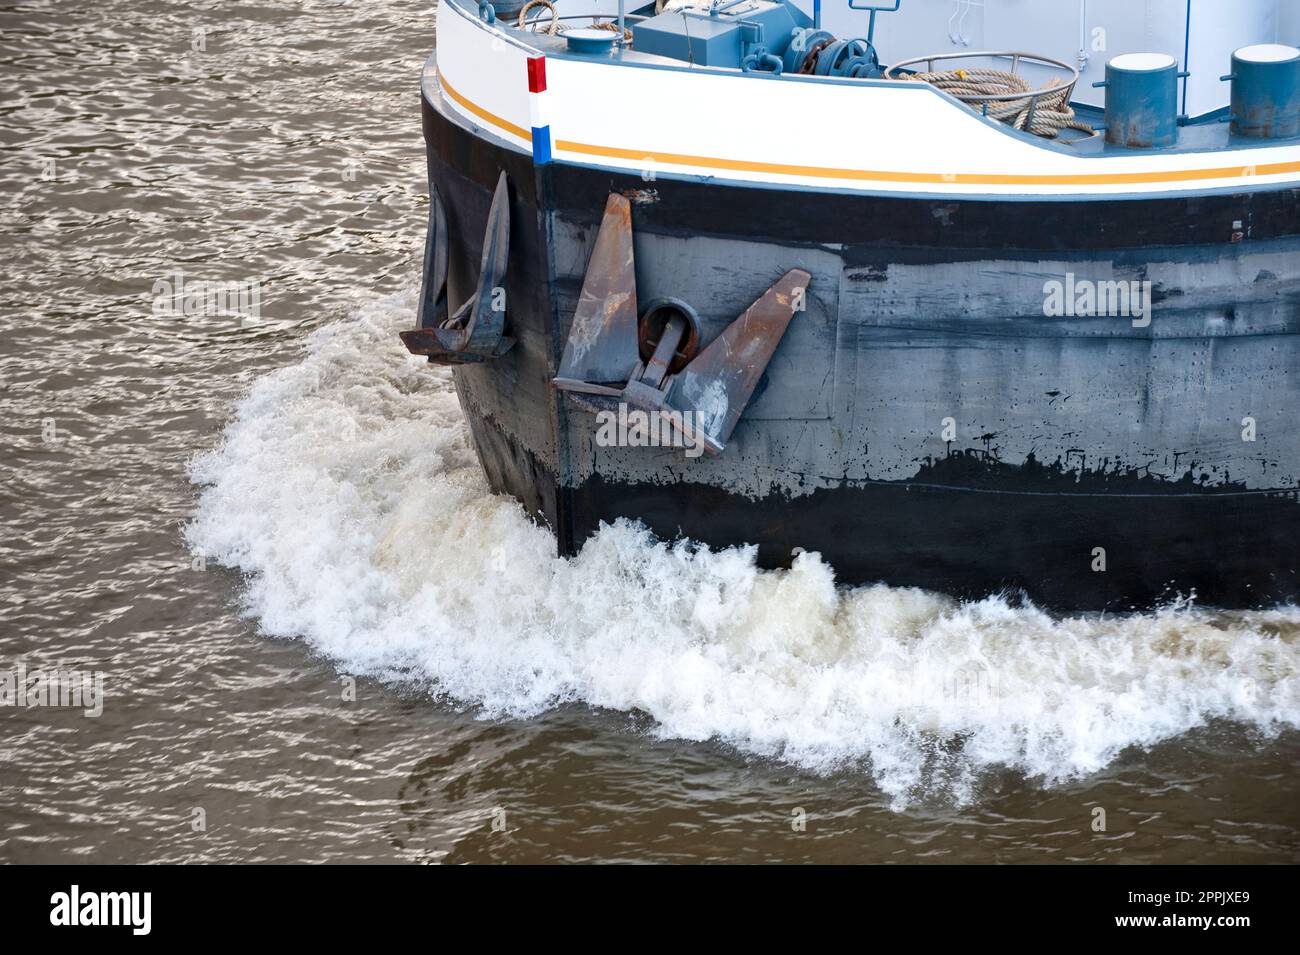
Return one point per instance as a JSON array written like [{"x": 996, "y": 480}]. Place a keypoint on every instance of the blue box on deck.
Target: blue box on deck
[{"x": 693, "y": 36}]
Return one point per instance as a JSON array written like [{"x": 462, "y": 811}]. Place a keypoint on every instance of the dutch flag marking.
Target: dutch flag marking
[{"x": 537, "y": 111}]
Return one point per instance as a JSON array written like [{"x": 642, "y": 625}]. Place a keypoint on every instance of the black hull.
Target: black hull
[
  {"x": 973, "y": 543},
  {"x": 963, "y": 517}
]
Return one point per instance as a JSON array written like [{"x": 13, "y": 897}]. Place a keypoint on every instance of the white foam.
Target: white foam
[{"x": 347, "y": 490}]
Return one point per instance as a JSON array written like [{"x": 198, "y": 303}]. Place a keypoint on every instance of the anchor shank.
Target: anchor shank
[{"x": 656, "y": 369}]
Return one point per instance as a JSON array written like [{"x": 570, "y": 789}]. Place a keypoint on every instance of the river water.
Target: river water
[{"x": 322, "y": 639}]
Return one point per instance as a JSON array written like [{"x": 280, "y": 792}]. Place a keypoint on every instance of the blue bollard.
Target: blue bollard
[
  {"x": 1265, "y": 91},
  {"x": 1142, "y": 100}
]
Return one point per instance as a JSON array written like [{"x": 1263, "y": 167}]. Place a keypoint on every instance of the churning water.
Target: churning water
[{"x": 346, "y": 488}]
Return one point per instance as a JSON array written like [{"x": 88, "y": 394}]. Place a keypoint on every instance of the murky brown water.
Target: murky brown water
[{"x": 280, "y": 145}]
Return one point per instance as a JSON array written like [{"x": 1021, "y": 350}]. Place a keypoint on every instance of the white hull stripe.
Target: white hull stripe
[{"x": 881, "y": 176}]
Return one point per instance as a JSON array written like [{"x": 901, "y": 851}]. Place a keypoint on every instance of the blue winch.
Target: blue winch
[
  {"x": 1142, "y": 100},
  {"x": 1265, "y": 91},
  {"x": 820, "y": 53}
]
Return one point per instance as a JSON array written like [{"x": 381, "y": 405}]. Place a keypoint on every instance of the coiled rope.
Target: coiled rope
[
  {"x": 551, "y": 29},
  {"x": 555, "y": 26},
  {"x": 1047, "y": 117}
]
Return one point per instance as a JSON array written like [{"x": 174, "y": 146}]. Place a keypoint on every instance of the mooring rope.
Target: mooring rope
[
  {"x": 555, "y": 26},
  {"x": 1051, "y": 114},
  {"x": 611, "y": 26}
]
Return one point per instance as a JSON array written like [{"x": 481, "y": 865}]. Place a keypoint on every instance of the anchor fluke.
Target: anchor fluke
[
  {"x": 475, "y": 331},
  {"x": 717, "y": 384},
  {"x": 426, "y": 341},
  {"x": 652, "y": 363},
  {"x": 602, "y": 347}
]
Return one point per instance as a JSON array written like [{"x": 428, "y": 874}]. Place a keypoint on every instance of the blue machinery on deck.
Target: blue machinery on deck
[
  {"x": 772, "y": 36},
  {"x": 729, "y": 33}
]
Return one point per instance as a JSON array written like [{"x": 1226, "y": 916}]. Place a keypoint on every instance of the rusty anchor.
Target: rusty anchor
[
  {"x": 474, "y": 332},
  {"x": 654, "y": 363}
]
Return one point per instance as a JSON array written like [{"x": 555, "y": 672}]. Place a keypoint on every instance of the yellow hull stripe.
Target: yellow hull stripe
[{"x": 481, "y": 113}]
